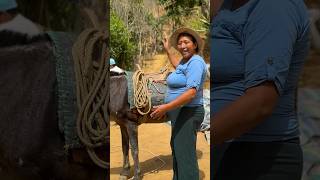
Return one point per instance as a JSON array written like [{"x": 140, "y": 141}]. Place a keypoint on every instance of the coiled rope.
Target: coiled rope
[
  {"x": 92, "y": 72},
  {"x": 141, "y": 95}
]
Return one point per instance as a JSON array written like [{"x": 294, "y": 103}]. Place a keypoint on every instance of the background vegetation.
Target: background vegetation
[
  {"x": 145, "y": 21},
  {"x": 137, "y": 26}
]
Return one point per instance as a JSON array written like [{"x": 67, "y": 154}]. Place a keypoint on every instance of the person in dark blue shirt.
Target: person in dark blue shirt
[{"x": 258, "y": 48}]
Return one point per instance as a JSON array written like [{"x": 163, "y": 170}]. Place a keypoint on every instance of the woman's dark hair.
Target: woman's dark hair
[{"x": 191, "y": 37}]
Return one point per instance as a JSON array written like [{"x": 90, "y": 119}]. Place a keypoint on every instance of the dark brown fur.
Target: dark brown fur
[
  {"x": 120, "y": 112},
  {"x": 31, "y": 145}
]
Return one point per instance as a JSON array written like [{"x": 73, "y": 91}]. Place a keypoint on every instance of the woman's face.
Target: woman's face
[{"x": 186, "y": 47}]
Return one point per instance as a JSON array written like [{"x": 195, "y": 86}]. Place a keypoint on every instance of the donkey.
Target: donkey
[{"x": 127, "y": 120}]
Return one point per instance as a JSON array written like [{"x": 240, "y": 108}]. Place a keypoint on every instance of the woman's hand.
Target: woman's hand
[
  {"x": 159, "y": 111},
  {"x": 174, "y": 60},
  {"x": 165, "y": 42}
]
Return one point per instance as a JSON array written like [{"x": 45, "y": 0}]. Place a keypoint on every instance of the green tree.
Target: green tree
[
  {"x": 177, "y": 9},
  {"x": 144, "y": 27},
  {"x": 121, "y": 45},
  {"x": 59, "y": 15}
]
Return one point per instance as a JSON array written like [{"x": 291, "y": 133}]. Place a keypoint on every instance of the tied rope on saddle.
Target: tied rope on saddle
[
  {"x": 92, "y": 91},
  {"x": 148, "y": 91},
  {"x": 92, "y": 72}
]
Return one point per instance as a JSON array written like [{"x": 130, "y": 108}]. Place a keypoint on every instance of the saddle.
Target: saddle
[
  {"x": 156, "y": 90},
  {"x": 66, "y": 87},
  {"x": 160, "y": 76}
]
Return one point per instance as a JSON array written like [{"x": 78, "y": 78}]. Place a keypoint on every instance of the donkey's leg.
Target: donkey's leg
[
  {"x": 125, "y": 150},
  {"x": 133, "y": 137}
]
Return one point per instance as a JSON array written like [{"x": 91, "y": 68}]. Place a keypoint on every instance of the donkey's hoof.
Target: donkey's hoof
[
  {"x": 122, "y": 177},
  {"x": 137, "y": 178}
]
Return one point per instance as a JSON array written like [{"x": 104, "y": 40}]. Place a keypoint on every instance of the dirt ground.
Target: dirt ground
[
  {"x": 155, "y": 153},
  {"x": 154, "y": 144}
]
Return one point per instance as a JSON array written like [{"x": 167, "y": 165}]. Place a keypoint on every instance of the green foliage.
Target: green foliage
[
  {"x": 121, "y": 46},
  {"x": 190, "y": 13},
  {"x": 197, "y": 21},
  {"x": 139, "y": 19},
  {"x": 176, "y": 8},
  {"x": 59, "y": 15}
]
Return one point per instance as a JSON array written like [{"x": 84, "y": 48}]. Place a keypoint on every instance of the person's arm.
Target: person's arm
[
  {"x": 245, "y": 113},
  {"x": 181, "y": 100},
  {"x": 174, "y": 60}
]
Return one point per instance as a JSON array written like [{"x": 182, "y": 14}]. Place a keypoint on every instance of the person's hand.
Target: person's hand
[
  {"x": 159, "y": 111},
  {"x": 165, "y": 42}
]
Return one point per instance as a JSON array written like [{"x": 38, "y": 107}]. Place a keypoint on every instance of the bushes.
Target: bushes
[{"x": 122, "y": 47}]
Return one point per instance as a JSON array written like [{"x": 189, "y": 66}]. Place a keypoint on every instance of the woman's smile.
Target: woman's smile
[{"x": 186, "y": 47}]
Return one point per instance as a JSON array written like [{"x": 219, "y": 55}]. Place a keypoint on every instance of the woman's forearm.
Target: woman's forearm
[
  {"x": 174, "y": 60},
  {"x": 245, "y": 113},
  {"x": 182, "y": 99}
]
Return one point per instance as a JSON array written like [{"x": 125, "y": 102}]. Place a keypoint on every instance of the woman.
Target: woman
[
  {"x": 257, "y": 52},
  {"x": 184, "y": 101}
]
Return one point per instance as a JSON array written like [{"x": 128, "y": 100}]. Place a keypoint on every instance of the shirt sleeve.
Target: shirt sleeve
[
  {"x": 269, "y": 37},
  {"x": 194, "y": 73}
]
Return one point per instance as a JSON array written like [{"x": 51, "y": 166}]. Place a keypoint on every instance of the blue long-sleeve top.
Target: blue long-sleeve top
[{"x": 263, "y": 40}]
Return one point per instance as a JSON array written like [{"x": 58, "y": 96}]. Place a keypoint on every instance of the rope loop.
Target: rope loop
[
  {"x": 92, "y": 84},
  {"x": 141, "y": 95}
]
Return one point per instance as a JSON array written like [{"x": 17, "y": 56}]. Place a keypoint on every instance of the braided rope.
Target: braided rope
[
  {"x": 141, "y": 95},
  {"x": 92, "y": 91}
]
